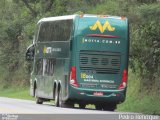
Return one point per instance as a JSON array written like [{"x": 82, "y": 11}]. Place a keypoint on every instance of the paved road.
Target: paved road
[
  {"x": 17, "y": 106},
  {"x": 29, "y": 110},
  {"x": 16, "y": 109}
]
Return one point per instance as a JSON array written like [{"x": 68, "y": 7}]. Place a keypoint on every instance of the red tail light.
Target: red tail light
[
  {"x": 73, "y": 80},
  {"x": 124, "y": 80}
]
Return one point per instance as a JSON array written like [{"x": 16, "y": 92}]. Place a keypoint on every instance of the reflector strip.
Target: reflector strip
[{"x": 102, "y": 35}]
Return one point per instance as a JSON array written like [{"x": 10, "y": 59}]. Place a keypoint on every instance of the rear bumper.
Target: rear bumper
[{"x": 87, "y": 95}]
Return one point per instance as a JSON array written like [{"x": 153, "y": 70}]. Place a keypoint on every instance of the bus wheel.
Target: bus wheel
[
  {"x": 82, "y": 105},
  {"x": 109, "y": 107},
  {"x": 62, "y": 103},
  {"x": 98, "y": 107},
  {"x": 38, "y": 100},
  {"x": 60, "y": 98},
  {"x": 56, "y": 97},
  {"x": 67, "y": 105}
]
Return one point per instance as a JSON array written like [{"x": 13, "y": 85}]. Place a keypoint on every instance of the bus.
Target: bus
[{"x": 80, "y": 59}]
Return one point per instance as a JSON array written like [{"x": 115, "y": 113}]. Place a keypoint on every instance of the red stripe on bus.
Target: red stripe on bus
[{"x": 102, "y": 35}]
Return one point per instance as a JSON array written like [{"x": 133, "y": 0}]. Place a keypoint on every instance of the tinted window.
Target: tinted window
[
  {"x": 45, "y": 67},
  {"x": 49, "y": 67},
  {"x": 55, "y": 30},
  {"x": 39, "y": 67}
]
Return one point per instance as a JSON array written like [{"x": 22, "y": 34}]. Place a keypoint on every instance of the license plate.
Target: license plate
[{"x": 98, "y": 93}]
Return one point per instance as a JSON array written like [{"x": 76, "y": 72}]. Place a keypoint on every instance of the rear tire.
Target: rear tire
[
  {"x": 109, "y": 107},
  {"x": 82, "y": 105},
  {"x": 67, "y": 105},
  {"x": 38, "y": 100},
  {"x": 56, "y": 97},
  {"x": 98, "y": 107},
  {"x": 62, "y": 103}
]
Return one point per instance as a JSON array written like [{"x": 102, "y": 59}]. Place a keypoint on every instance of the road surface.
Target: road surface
[
  {"x": 16, "y": 109},
  {"x": 18, "y": 106}
]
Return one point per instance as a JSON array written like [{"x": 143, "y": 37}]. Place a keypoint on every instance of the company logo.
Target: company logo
[
  {"x": 44, "y": 50},
  {"x": 47, "y": 50},
  {"x": 102, "y": 28},
  {"x": 50, "y": 50}
]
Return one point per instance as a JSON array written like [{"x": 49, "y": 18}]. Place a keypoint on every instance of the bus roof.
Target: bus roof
[
  {"x": 73, "y": 16},
  {"x": 57, "y": 18}
]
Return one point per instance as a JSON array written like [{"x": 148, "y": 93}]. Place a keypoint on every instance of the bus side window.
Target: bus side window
[
  {"x": 39, "y": 67},
  {"x": 55, "y": 31},
  {"x": 49, "y": 67},
  {"x": 52, "y": 64},
  {"x": 44, "y": 66}
]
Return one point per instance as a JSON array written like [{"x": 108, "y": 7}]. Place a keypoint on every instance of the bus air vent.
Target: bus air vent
[{"x": 100, "y": 62}]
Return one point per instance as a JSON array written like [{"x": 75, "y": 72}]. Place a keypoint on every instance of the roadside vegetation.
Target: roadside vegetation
[
  {"x": 139, "y": 102},
  {"x": 18, "y": 93},
  {"x": 17, "y": 22}
]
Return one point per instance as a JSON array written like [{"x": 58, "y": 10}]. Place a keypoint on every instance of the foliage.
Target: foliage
[
  {"x": 14, "y": 92},
  {"x": 17, "y": 29},
  {"x": 145, "y": 45},
  {"x": 139, "y": 102}
]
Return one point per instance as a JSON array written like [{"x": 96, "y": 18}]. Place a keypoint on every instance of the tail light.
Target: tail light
[
  {"x": 124, "y": 80},
  {"x": 73, "y": 80}
]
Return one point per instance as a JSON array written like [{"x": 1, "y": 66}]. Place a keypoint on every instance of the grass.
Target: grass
[
  {"x": 146, "y": 104},
  {"x": 139, "y": 102},
  {"x": 19, "y": 93}
]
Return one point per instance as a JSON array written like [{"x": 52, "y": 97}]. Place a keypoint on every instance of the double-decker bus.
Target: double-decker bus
[{"x": 80, "y": 59}]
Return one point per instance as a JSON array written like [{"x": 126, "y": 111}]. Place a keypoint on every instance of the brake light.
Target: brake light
[
  {"x": 73, "y": 80},
  {"x": 124, "y": 80}
]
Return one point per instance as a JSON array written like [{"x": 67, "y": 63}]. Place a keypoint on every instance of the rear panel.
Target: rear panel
[{"x": 100, "y": 53}]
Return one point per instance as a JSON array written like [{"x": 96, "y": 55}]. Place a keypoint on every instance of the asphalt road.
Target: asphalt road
[
  {"x": 16, "y": 109},
  {"x": 18, "y": 106}
]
